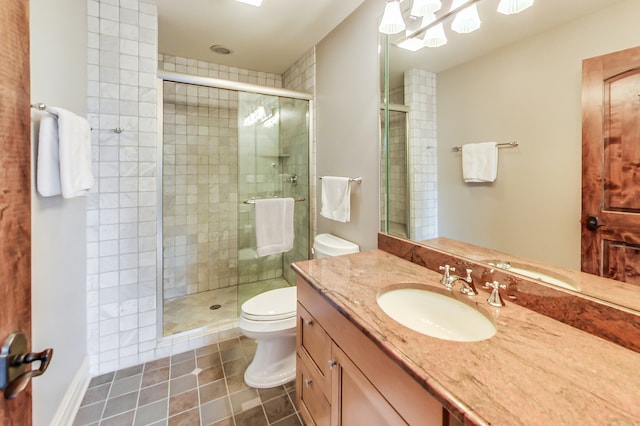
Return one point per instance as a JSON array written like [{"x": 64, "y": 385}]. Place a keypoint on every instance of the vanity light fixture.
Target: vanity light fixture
[
  {"x": 435, "y": 36},
  {"x": 392, "y": 22},
  {"x": 251, "y": 2},
  {"x": 509, "y": 7},
  {"x": 421, "y": 8},
  {"x": 467, "y": 20}
]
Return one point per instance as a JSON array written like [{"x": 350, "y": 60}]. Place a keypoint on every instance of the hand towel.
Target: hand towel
[
  {"x": 48, "y": 162},
  {"x": 74, "y": 138},
  {"x": 480, "y": 162},
  {"x": 274, "y": 225},
  {"x": 336, "y": 198}
]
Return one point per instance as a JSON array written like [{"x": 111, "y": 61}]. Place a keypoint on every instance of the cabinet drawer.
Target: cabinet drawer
[
  {"x": 314, "y": 346},
  {"x": 312, "y": 403}
]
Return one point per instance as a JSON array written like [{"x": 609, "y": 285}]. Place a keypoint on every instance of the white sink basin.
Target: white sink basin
[
  {"x": 436, "y": 315},
  {"x": 535, "y": 273}
]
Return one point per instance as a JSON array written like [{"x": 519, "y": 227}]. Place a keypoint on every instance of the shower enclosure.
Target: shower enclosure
[
  {"x": 395, "y": 200},
  {"x": 223, "y": 147}
]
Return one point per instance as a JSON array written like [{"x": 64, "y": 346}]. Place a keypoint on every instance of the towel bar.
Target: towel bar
[
  {"x": 253, "y": 200},
  {"x": 500, "y": 145},
  {"x": 356, "y": 180},
  {"x": 43, "y": 107}
]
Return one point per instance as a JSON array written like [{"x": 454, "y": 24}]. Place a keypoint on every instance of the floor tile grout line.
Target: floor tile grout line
[
  {"x": 106, "y": 400},
  {"x": 226, "y": 384},
  {"x": 166, "y": 414}
]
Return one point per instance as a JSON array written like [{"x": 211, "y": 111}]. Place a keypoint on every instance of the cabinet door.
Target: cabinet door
[{"x": 354, "y": 400}]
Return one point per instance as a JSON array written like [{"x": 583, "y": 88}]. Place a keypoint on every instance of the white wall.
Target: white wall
[
  {"x": 348, "y": 134},
  {"x": 59, "y": 297},
  {"x": 529, "y": 92}
]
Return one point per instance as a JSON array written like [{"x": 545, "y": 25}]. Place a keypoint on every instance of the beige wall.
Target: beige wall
[
  {"x": 529, "y": 92},
  {"x": 347, "y": 131},
  {"x": 59, "y": 295}
]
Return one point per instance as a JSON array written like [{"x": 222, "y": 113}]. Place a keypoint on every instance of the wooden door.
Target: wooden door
[
  {"x": 611, "y": 166},
  {"x": 15, "y": 191}
]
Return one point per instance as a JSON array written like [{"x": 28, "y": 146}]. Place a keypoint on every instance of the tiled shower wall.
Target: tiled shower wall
[
  {"x": 398, "y": 181},
  {"x": 217, "y": 260},
  {"x": 199, "y": 192},
  {"x": 191, "y": 263},
  {"x": 121, "y": 216},
  {"x": 301, "y": 77},
  {"x": 420, "y": 96}
]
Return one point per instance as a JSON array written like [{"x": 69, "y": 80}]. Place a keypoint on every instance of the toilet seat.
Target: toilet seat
[{"x": 273, "y": 305}]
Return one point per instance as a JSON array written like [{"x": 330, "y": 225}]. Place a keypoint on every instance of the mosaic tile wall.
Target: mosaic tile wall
[
  {"x": 301, "y": 76},
  {"x": 227, "y": 260},
  {"x": 218, "y": 260},
  {"x": 420, "y": 96},
  {"x": 199, "y": 197},
  {"x": 122, "y": 209}
]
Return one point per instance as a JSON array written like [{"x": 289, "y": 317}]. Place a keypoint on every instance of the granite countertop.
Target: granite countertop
[{"x": 534, "y": 371}]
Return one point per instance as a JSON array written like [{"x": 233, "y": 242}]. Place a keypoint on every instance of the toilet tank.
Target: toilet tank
[{"x": 327, "y": 245}]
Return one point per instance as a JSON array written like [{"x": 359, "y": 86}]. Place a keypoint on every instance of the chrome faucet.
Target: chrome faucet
[
  {"x": 494, "y": 298},
  {"x": 448, "y": 280}
]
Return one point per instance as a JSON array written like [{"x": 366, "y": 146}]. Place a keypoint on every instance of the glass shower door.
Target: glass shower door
[{"x": 273, "y": 161}]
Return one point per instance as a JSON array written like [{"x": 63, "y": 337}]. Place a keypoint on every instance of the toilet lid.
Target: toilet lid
[{"x": 271, "y": 305}]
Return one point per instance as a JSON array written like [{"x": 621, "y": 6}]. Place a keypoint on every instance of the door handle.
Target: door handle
[
  {"x": 14, "y": 362},
  {"x": 593, "y": 223}
]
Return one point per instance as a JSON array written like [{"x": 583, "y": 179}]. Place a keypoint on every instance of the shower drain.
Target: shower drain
[{"x": 214, "y": 307}]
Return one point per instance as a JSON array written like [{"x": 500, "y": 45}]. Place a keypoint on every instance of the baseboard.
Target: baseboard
[{"x": 70, "y": 404}]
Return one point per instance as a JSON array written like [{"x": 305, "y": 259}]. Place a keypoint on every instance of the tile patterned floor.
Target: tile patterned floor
[{"x": 199, "y": 387}]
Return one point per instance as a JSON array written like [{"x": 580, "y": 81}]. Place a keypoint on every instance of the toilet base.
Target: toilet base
[{"x": 274, "y": 363}]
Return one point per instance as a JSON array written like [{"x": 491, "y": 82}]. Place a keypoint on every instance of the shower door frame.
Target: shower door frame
[
  {"x": 408, "y": 162},
  {"x": 218, "y": 84}
]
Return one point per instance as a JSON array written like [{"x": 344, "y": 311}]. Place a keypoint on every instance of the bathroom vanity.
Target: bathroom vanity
[{"x": 355, "y": 365}]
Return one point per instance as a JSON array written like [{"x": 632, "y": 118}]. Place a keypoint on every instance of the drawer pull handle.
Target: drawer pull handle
[
  {"x": 308, "y": 382},
  {"x": 308, "y": 323},
  {"x": 332, "y": 364}
]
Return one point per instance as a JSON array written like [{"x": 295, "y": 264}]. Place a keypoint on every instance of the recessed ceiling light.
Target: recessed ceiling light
[
  {"x": 220, "y": 49},
  {"x": 251, "y": 2}
]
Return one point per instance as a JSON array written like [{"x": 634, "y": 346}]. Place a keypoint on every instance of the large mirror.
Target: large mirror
[{"x": 516, "y": 79}]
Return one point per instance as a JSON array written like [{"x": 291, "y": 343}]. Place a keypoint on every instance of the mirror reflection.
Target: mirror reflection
[{"x": 516, "y": 78}]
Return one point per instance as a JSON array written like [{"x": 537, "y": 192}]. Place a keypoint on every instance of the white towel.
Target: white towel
[
  {"x": 274, "y": 225},
  {"x": 336, "y": 198},
  {"x": 74, "y": 137},
  {"x": 48, "y": 163},
  {"x": 480, "y": 162}
]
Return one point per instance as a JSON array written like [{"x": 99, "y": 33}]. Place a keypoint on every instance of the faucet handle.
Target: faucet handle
[
  {"x": 447, "y": 269},
  {"x": 494, "y": 298},
  {"x": 446, "y": 275}
]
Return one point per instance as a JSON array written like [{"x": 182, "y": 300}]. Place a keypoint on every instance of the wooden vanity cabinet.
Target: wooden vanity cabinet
[{"x": 344, "y": 378}]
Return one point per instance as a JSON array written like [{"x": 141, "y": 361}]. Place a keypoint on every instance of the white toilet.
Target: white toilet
[
  {"x": 270, "y": 319},
  {"x": 326, "y": 245}
]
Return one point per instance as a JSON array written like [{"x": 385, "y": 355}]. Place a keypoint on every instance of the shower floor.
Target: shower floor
[{"x": 193, "y": 311}]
